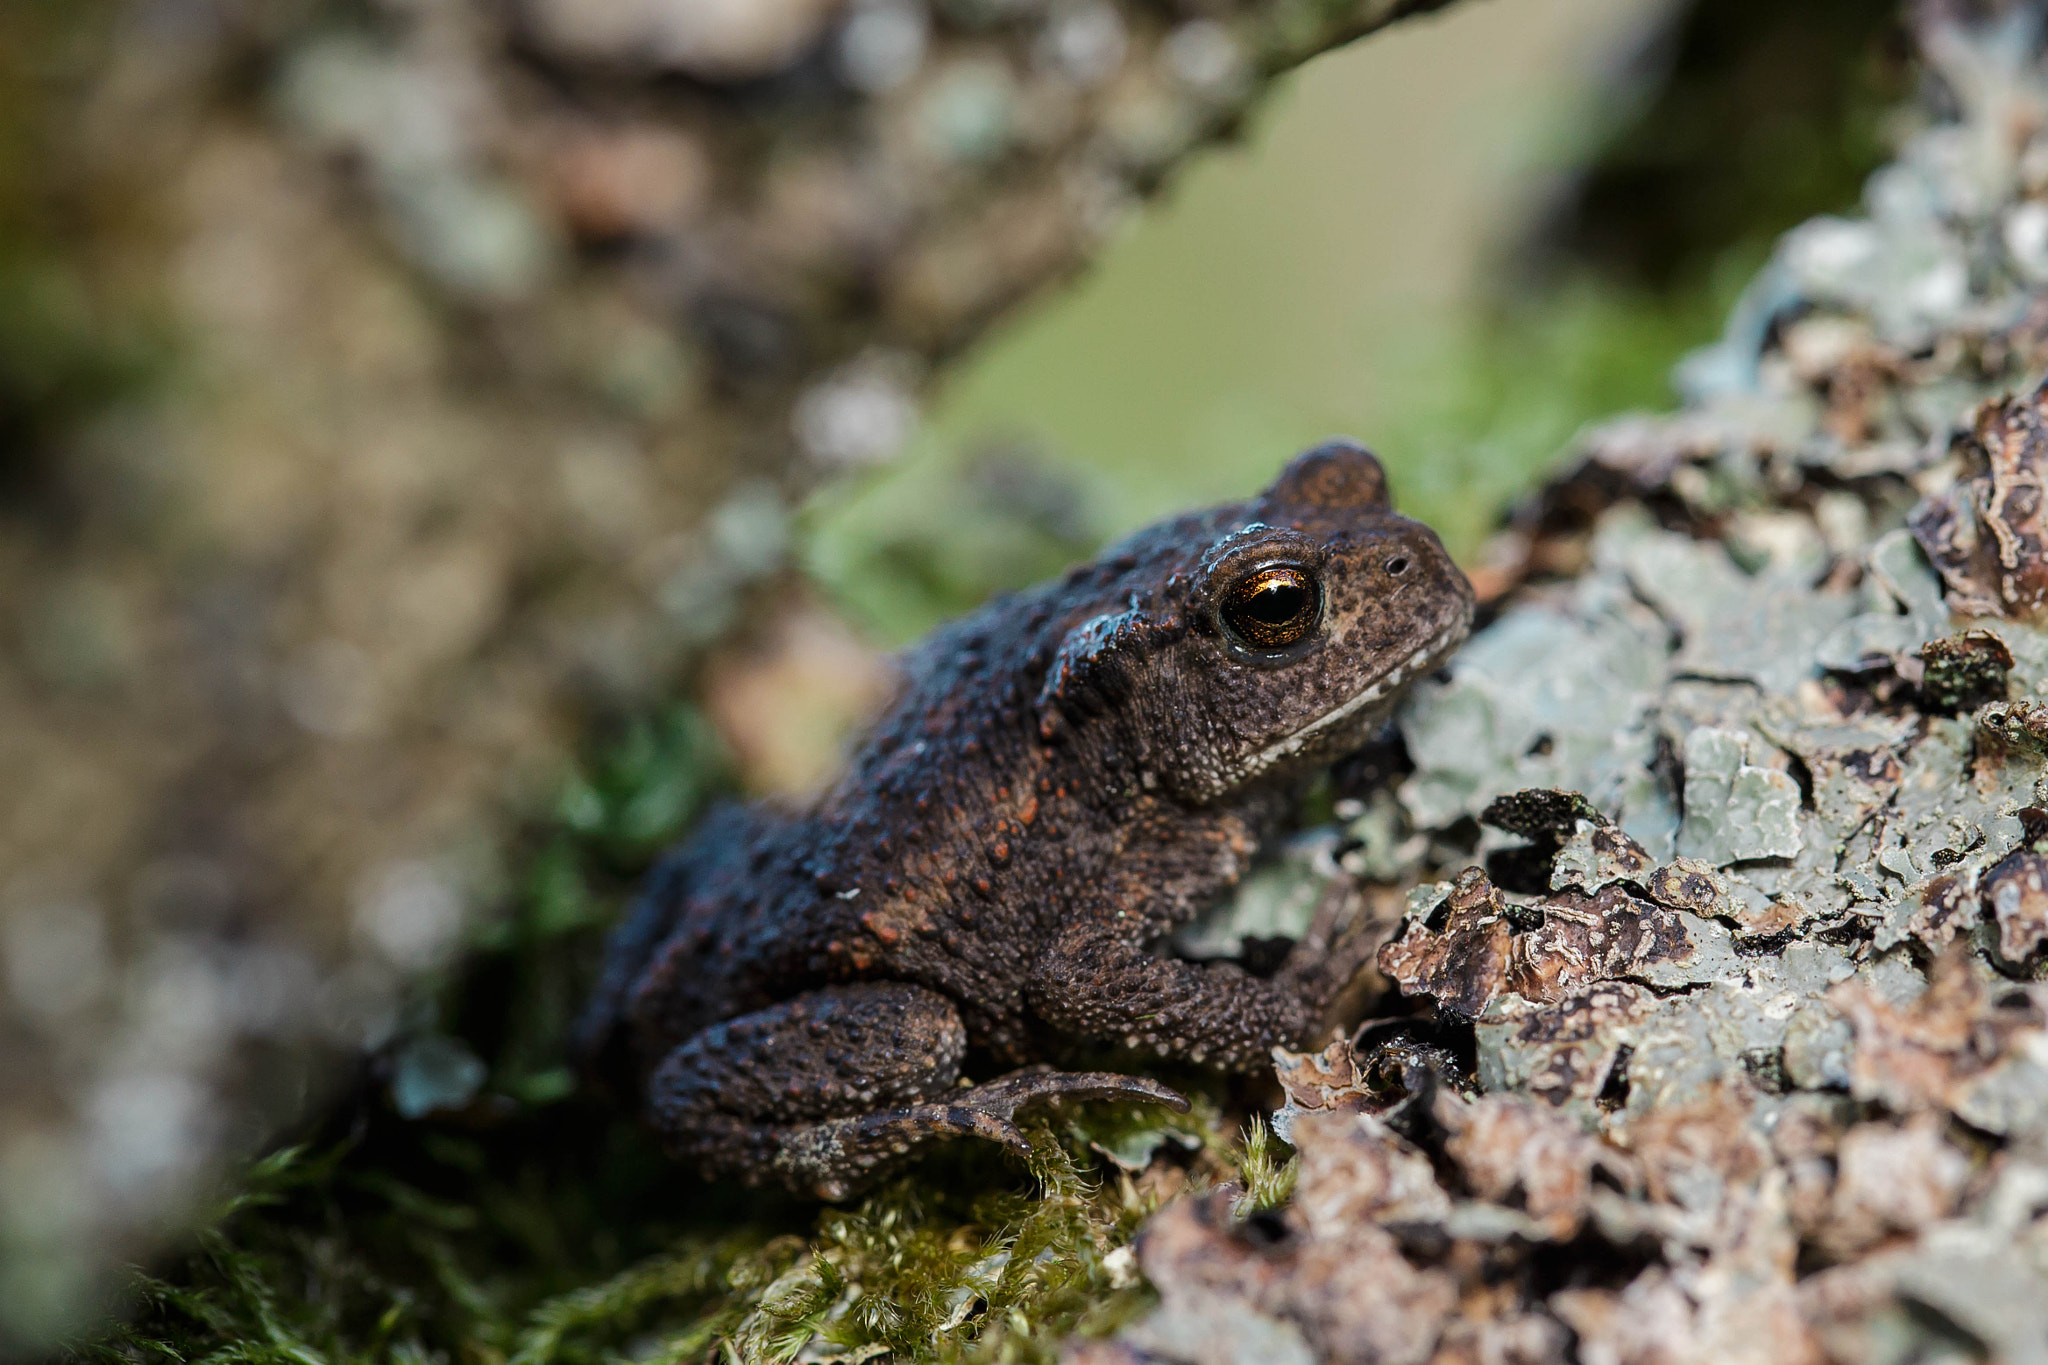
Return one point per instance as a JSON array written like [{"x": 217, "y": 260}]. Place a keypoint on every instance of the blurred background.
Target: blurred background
[
  {"x": 1458, "y": 242},
  {"x": 442, "y": 445}
]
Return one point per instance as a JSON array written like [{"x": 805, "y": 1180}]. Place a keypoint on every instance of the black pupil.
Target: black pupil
[
  {"x": 1276, "y": 603},
  {"x": 1274, "y": 608}
]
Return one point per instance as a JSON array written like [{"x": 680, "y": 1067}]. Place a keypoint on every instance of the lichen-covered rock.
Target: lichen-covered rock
[
  {"x": 1518, "y": 1148},
  {"x": 1745, "y": 1040},
  {"x": 2017, "y": 890},
  {"x": 1323, "y": 1282}
]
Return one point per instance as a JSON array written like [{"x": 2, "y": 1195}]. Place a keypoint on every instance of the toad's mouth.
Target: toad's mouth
[{"x": 1383, "y": 688}]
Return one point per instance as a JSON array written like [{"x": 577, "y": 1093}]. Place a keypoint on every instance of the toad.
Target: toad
[{"x": 1063, "y": 777}]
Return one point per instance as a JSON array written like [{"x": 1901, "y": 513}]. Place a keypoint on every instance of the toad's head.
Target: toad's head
[{"x": 1261, "y": 640}]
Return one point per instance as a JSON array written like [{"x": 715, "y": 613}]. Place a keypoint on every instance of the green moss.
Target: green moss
[
  {"x": 1268, "y": 1179},
  {"x": 412, "y": 1244},
  {"x": 1964, "y": 671}
]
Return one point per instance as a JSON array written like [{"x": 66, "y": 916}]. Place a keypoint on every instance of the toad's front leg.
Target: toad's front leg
[
  {"x": 830, "y": 1090},
  {"x": 1093, "y": 985}
]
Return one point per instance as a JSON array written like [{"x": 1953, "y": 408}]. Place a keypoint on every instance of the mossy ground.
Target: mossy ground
[
  {"x": 330, "y": 1256},
  {"x": 534, "y": 1223}
]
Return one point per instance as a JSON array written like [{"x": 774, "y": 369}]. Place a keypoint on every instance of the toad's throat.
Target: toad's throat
[{"x": 1384, "y": 688}]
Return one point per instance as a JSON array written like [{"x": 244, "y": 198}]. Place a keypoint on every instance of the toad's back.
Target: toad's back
[{"x": 1063, "y": 776}]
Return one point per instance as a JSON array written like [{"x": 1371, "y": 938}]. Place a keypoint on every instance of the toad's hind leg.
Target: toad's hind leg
[
  {"x": 712, "y": 861},
  {"x": 830, "y": 1090}
]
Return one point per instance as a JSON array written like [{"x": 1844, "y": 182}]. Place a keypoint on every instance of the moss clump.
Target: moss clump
[
  {"x": 1964, "y": 671},
  {"x": 1267, "y": 1177},
  {"x": 410, "y": 1243}
]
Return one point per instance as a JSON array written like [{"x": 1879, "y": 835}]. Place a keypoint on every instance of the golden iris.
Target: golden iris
[{"x": 1273, "y": 607}]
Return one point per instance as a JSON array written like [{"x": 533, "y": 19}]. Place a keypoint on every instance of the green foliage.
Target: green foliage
[
  {"x": 638, "y": 792},
  {"x": 1769, "y": 112},
  {"x": 642, "y": 788},
  {"x": 1489, "y": 408},
  {"x": 335, "y": 1256},
  {"x": 925, "y": 543},
  {"x": 1007, "y": 1283}
]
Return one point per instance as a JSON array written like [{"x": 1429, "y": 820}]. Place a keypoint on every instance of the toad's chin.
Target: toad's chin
[{"x": 1358, "y": 710}]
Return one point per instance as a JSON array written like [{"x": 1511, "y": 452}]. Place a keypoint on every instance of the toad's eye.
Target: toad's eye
[{"x": 1273, "y": 607}]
